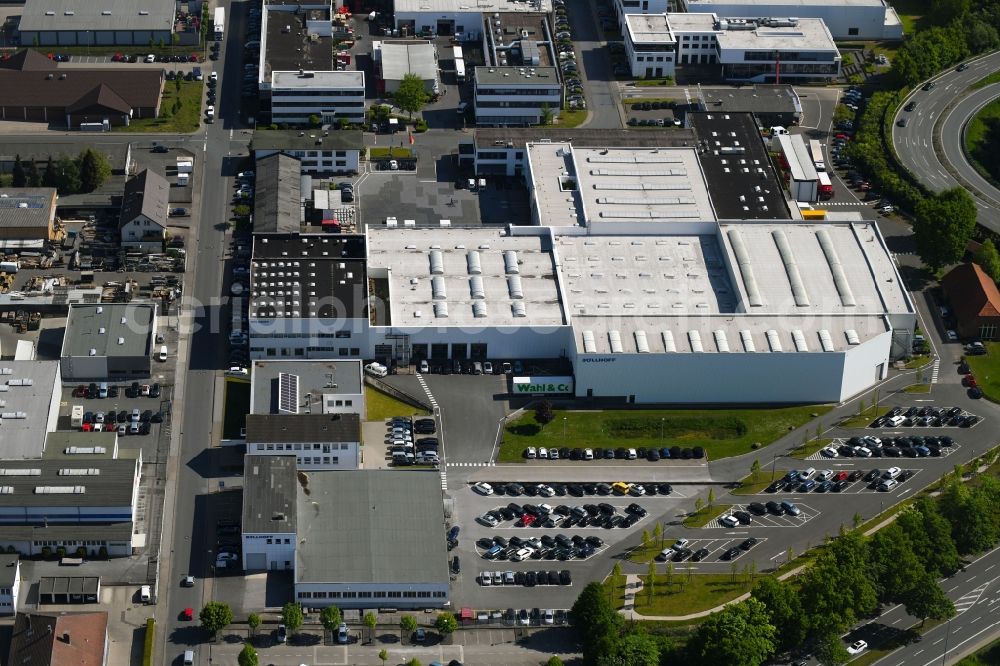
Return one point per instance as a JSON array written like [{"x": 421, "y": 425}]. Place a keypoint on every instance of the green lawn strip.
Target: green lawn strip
[
  {"x": 386, "y": 152},
  {"x": 750, "y": 487},
  {"x": 688, "y": 594},
  {"x": 237, "y": 406},
  {"x": 660, "y": 100},
  {"x": 381, "y": 406},
  {"x": 918, "y": 388},
  {"x": 978, "y": 145},
  {"x": 643, "y": 554},
  {"x": 649, "y": 83},
  {"x": 987, "y": 371},
  {"x": 810, "y": 448},
  {"x": 860, "y": 420},
  {"x": 918, "y": 361},
  {"x": 705, "y": 515},
  {"x": 571, "y": 118},
  {"x": 183, "y": 120},
  {"x": 722, "y": 433},
  {"x": 614, "y": 586},
  {"x": 989, "y": 79}
]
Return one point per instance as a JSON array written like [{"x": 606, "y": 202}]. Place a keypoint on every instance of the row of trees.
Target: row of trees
[
  {"x": 84, "y": 173},
  {"x": 851, "y": 578}
]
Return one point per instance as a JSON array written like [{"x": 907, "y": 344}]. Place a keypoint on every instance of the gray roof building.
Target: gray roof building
[
  {"x": 94, "y": 17},
  {"x": 27, "y": 213},
  {"x": 402, "y": 58},
  {"x": 269, "y": 489},
  {"x": 118, "y": 154},
  {"x": 31, "y": 488},
  {"x": 281, "y": 140},
  {"x": 8, "y": 570},
  {"x": 315, "y": 378},
  {"x": 267, "y": 428},
  {"x": 78, "y": 446},
  {"x": 28, "y": 389},
  {"x": 370, "y": 526},
  {"x": 109, "y": 329},
  {"x": 277, "y": 195},
  {"x": 147, "y": 195}
]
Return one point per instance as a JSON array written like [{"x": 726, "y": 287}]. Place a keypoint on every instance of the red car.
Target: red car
[
  {"x": 527, "y": 519},
  {"x": 87, "y": 427},
  {"x": 187, "y": 614},
  {"x": 840, "y": 476},
  {"x": 80, "y": 391},
  {"x": 970, "y": 381}
]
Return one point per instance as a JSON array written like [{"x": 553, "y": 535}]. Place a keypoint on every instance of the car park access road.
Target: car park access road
[
  {"x": 595, "y": 66},
  {"x": 917, "y": 143}
]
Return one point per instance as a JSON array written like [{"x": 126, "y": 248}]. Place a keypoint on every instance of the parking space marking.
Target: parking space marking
[
  {"x": 715, "y": 547},
  {"x": 769, "y": 519},
  {"x": 845, "y": 460}
]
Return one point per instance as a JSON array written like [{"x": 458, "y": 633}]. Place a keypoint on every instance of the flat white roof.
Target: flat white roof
[
  {"x": 321, "y": 80},
  {"x": 398, "y": 60},
  {"x": 800, "y": 163},
  {"x": 810, "y": 34},
  {"x": 470, "y": 6},
  {"x": 431, "y": 269},
  {"x": 724, "y": 333},
  {"x": 638, "y": 276},
  {"x": 649, "y": 28},
  {"x": 813, "y": 267}
]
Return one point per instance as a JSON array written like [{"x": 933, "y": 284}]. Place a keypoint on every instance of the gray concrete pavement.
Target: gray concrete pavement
[{"x": 595, "y": 65}]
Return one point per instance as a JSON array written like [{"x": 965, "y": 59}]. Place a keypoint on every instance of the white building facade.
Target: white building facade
[
  {"x": 846, "y": 19},
  {"x": 516, "y": 95},
  {"x": 331, "y": 95}
]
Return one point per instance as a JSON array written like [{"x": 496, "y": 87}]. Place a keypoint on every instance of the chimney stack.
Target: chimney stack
[{"x": 66, "y": 637}]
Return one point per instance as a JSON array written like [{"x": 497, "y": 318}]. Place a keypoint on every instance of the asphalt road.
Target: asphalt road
[
  {"x": 595, "y": 65},
  {"x": 953, "y": 140},
  {"x": 915, "y": 143}
]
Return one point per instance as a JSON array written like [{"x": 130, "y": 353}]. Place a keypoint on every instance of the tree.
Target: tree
[
  {"x": 446, "y": 623},
  {"x": 291, "y": 616},
  {"x": 383, "y": 655},
  {"x": 989, "y": 259},
  {"x": 253, "y": 621},
  {"x": 49, "y": 178},
  {"x": 970, "y": 515},
  {"x": 741, "y": 634},
  {"x": 543, "y": 412},
  {"x": 216, "y": 616},
  {"x": 411, "y": 95},
  {"x": 650, "y": 584},
  {"x": 755, "y": 471},
  {"x": 894, "y": 564},
  {"x": 547, "y": 114},
  {"x": 34, "y": 179},
  {"x": 711, "y": 496},
  {"x": 241, "y": 210},
  {"x": 554, "y": 661},
  {"x": 658, "y": 534},
  {"x": 829, "y": 649},
  {"x": 414, "y": 662},
  {"x": 315, "y": 120},
  {"x": 857, "y": 519},
  {"x": 329, "y": 617},
  {"x": 370, "y": 620},
  {"x": 407, "y": 625},
  {"x": 926, "y": 599},
  {"x": 248, "y": 656},
  {"x": 67, "y": 176},
  {"x": 930, "y": 537},
  {"x": 699, "y": 504},
  {"x": 596, "y": 621},
  {"x": 784, "y": 609},
  {"x": 645, "y": 538},
  {"x": 943, "y": 227},
  {"x": 18, "y": 177},
  {"x": 634, "y": 649},
  {"x": 839, "y": 586},
  {"x": 94, "y": 169}
]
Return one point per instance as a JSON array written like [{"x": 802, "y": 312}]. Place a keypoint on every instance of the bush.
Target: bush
[
  {"x": 543, "y": 412},
  {"x": 420, "y": 126}
]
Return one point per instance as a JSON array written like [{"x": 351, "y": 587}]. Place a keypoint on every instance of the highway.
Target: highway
[{"x": 915, "y": 144}]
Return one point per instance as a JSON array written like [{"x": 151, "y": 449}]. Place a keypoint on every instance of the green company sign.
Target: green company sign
[{"x": 543, "y": 385}]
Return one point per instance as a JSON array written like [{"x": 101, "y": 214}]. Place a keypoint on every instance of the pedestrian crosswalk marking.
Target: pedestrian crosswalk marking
[{"x": 935, "y": 370}]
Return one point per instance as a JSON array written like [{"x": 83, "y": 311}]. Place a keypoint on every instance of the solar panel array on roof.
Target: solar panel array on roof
[{"x": 288, "y": 393}]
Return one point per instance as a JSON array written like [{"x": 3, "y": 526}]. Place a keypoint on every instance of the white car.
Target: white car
[
  {"x": 824, "y": 475},
  {"x": 343, "y": 636},
  {"x": 210, "y": 111},
  {"x": 862, "y": 452},
  {"x": 488, "y": 520},
  {"x": 829, "y": 452},
  {"x": 680, "y": 544},
  {"x": 150, "y": 58},
  {"x": 636, "y": 490},
  {"x": 522, "y": 554},
  {"x": 531, "y": 453},
  {"x": 548, "y": 617},
  {"x": 546, "y": 491},
  {"x": 588, "y": 454},
  {"x": 485, "y": 577},
  {"x": 631, "y": 454},
  {"x": 424, "y": 368},
  {"x": 487, "y": 368},
  {"x": 857, "y": 647},
  {"x": 952, "y": 335},
  {"x": 729, "y": 521},
  {"x": 483, "y": 488},
  {"x": 214, "y": 76},
  {"x": 806, "y": 474},
  {"x": 543, "y": 452},
  {"x": 887, "y": 485},
  {"x": 553, "y": 454}
]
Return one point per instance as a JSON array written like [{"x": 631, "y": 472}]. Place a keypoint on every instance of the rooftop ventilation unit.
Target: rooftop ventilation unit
[
  {"x": 441, "y": 310},
  {"x": 517, "y": 308},
  {"x": 825, "y": 341},
  {"x": 852, "y": 337},
  {"x": 514, "y": 286},
  {"x": 800, "y": 341},
  {"x": 615, "y": 340},
  {"x": 475, "y": 266},
  {"x": 641, "y": 344},
  {"x": 773, "y": 341},
  {"x": 510, "y": 266},
  {"x": 437, "y": 262},
  {"x": 479, "y": 309},
  {"x": 438, "y": 291},
  {"x": 720, "y": 340},
  {"x": 694, "y": 337},
  {"x": 589, "y": 343},
  {"x": 668, "y": 341},
  {"x": 747, "y": 339}
]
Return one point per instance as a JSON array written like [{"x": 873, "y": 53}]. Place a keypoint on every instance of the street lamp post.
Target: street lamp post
[
  {"x": 947, "y": 633},
  {"x": 661, "y": 431},
  {"x": 564, "y": 431}
]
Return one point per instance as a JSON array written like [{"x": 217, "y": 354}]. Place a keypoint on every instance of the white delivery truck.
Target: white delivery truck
[{"x": 76, "y": 417}]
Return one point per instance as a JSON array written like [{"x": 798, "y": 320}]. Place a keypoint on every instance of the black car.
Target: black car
[
  {"x": 699, "y": 555},
  {"x": 636, "y": 509},
  {"x": 732, "y": 554},
  {"x": 748, "y": 544},
  {"x": 780, "y": 484},
  {"x": 564, "y": 577},
  {"x": 682, "y": 554},
  {"x": 872, "y": 475},
  {"x": 757, "y": 508},
  {"x": 664, "y": 488},
  {"x": 595, "y": 541},
  {"x": 775, "y": 508},
  {"x": 160, "y": 149},
  {"x": 744, "y": 517}
]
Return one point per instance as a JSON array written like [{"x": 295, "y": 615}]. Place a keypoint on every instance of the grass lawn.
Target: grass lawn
[
  {"x": 862, "y": 419},
  {"x": 722, "y": 432},
  {"x": 568, "y": 118},
  {"x": 649, "y": 83},
  {"x": 918, "y": 388},
  {"x": 381, "y": 406},
  {"x": 643, "y": 554},
  {"x": 689, "y": 594},
  {"x": 237, "y": 407},
  {"x": 810, "y": 448},
  {"x": 185, "y": 120},
  {"x": 614, "y": 586},
  {"x": 706, "y": 515},
  {"x": 987, "y": 371},
  {"x": 986, "y": 80},
  {"x": 636, "y": 100},
  {"x": 386, "y": 152},
  {"x": 918, "y": 361},
  {"x": 750, "y": 487},
  {"x": 977, "y": 145}
]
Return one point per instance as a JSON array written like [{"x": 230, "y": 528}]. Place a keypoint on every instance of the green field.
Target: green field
[
  {"x": 982, "y": 137},
  {"x": 987, "y": 371},
  {"x": 180, "y": 120},
  {"x": 722, "y": 432},
  {"x": 381, "y": 406},
  {"x": 688, "y": 594}
]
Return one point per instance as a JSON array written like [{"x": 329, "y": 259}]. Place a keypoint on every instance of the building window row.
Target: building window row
[
  {"x": 271, "y": 542},
  {"x": 316, "y": 92},
  {"x": 511, "y": 105},
  {"x": 480, "y": 91},
  {"x": 373, "y": 594}
]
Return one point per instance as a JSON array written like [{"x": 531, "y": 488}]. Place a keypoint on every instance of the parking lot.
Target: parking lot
[
  {"x": 864, "y": 480},
  {"x": 917, "y": 446},
  {"x": 768, "y": 518}
]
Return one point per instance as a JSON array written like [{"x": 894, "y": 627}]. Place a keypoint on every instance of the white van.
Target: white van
[
  {"x": 896, "y": 420},
  {"x": 145, "y": 594},
  {"x": 376, "y": 370},
  {"x": 162, "y": 356},
  {"x": 188, "y": 657}
]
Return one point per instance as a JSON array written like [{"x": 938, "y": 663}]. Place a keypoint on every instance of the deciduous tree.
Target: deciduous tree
[
  {"x": 291, "y": 616},
  {"x": 784, "y": 609},
  {"x": 446, "y": 623},
  {"x": 926, "y": 599},
  {"x": 94, "y": 169},
  {"x": 329, "y": 617},
  {"x": 596, "y": 622},
  {"x": 216, "y": 616},
  {"x": 989, "y": 259},
  {"x": 943, "y": 227},
  {"x": 248, "y": 656},
  {"x": 739, "y": 635},
  {"x": 411, "y": 96}
]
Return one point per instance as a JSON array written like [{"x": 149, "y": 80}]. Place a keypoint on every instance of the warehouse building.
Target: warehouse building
[
  {"x": 277, "y": 203},
  {"x": 30, "y": 392},
  {"x": 36, "y": 89},
  {"x": 457, "y": 17},
  {"x": 846, "y": 19},
  {"x": 108, "y": 341},
  {"x": 107, "y": 23},
  {"x": 397, "y": 59},
  {"x": 269, "y": 513},
  {"x": 27, "y": 216}
]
